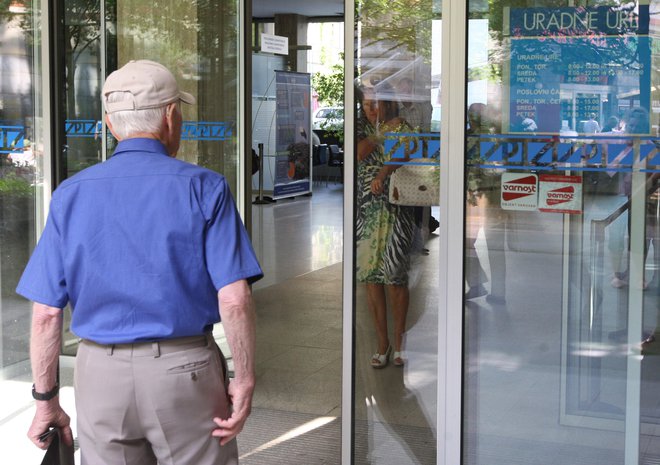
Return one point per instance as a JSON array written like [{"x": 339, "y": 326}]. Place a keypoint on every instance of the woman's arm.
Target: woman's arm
[
  {"x": 365, "y": 147},
  {"x": 394, "y": 125},
  {"x": 378, "y": 183}
]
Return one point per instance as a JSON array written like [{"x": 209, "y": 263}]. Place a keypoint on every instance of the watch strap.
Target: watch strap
[{"x": 45, "y": 395}]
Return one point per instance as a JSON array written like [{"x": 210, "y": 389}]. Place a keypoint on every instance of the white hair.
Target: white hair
[{"x": 128, "y": 122}]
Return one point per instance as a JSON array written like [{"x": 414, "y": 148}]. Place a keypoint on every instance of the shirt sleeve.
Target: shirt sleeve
[
  {"x": 43, "y": 279},
  {"x": 229, "y": 253}
]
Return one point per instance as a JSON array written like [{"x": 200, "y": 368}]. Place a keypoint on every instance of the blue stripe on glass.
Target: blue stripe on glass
[{"x": 12, "y": 138}]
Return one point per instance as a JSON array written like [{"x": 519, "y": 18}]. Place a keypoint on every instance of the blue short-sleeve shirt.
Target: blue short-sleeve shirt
[{"x": 140, "y": 245}]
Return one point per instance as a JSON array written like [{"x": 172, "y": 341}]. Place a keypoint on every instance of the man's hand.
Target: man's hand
[
  {"x": 50, "y": 414},
  {"x": 240, "y": 397}
]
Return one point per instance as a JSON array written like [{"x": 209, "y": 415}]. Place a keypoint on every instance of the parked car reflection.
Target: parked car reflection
[{"x": 328, "y": 117}]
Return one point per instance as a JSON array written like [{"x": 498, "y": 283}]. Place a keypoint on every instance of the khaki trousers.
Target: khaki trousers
[{"x": 149, "y": 403}]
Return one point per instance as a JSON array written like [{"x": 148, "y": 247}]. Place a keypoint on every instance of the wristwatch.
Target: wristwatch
[{"x": 45, "y": 395}]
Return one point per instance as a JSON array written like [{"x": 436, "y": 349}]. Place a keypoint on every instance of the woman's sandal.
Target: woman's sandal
[
  {"x": 380, "y": 361},
  {"x": 397, "y": 359}
]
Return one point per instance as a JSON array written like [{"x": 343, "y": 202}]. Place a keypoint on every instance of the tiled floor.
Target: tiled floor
[{"x": 298, "y": 397}]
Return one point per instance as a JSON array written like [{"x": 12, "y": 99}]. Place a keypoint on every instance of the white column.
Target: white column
[
  {"x": 452, "y": 203},
  {"x": 349, "y": 239}
]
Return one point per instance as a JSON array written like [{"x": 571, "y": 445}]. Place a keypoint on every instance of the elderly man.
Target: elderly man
[{"x": 149, "y": 251}]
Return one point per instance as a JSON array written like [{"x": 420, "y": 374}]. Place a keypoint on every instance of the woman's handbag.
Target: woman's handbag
[{"x": 417, "y": 186}]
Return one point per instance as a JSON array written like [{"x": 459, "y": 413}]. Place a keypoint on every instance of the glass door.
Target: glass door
[
  {"x": 23, "y": 177},
  {"x": 561, "y": 159},
  {"x": 396, "y": 247}
]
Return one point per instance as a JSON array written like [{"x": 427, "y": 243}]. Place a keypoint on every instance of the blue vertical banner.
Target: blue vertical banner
[
  {"x": 293, "y": 139},
  {"x": 573, "y": 63}
]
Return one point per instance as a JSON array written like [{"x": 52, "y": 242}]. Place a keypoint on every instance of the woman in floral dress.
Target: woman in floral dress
[{"x": 384, "y": 231}]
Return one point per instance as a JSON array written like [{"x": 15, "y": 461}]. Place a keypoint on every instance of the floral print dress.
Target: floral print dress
[{"x": 384, "y": 231}]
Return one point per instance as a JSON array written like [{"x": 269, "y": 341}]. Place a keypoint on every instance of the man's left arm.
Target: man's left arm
[
  {"x": 45, "y": 343},
  {"x": 238, "y": 320}
]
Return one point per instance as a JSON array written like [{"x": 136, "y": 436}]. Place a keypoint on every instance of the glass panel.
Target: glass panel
[
  {"x": 397, "y": 136},
  {"x": 82, "y": 86},
  {"x": 198, "y": 42},
  {"x": 561, "y": 232},
  {"x": 21, "y": 177},
  {"x": 201, "y": 50}
]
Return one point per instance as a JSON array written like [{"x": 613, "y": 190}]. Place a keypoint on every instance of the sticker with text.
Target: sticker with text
[
  {"x": 560, "y": 194},
  {"x": 519, "y": 191}
]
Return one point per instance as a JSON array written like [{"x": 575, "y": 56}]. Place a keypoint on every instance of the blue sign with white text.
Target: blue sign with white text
[{"x": 571, "y": 64}]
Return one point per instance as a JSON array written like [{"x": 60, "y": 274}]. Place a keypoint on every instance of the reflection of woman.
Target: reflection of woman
[{"x": 384, "y": 231}]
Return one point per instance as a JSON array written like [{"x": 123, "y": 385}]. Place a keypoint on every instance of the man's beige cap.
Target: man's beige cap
[{"x": 151, "y": 84}]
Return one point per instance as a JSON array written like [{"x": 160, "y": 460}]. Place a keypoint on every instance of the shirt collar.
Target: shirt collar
[{"x": 140, "y": 144}]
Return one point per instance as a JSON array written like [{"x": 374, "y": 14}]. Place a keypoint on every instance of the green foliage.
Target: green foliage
[
  {"x": 12, "y": 185},
  {"x": 398, "y": 23},
  {"x": 330, "y": 89},
  {"x": 334, "y": 130},
  {"x": 330, "y": 86}
]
